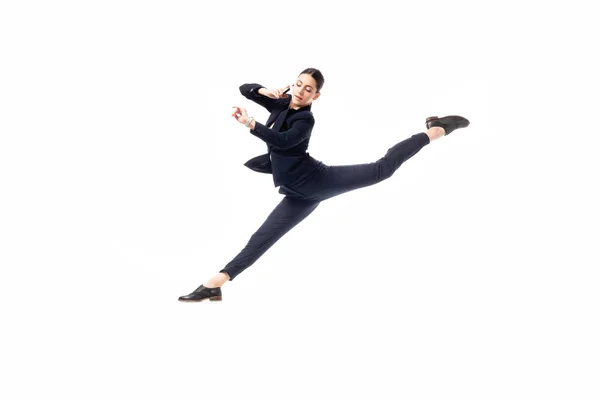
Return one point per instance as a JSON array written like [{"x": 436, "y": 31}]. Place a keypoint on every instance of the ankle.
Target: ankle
[
  {"x": 217, "y": 280},
  {"x": 435, "y": 132}
]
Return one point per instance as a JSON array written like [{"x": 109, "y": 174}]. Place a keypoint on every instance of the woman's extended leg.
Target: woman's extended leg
[
  {"x": 335, "y": 180},
  {"x": 287, "y": 214}
]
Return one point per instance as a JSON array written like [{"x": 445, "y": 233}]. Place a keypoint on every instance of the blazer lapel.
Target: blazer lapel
[{"x": 280, "y": 119}]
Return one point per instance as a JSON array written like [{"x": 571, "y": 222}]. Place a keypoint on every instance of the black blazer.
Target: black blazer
[{"x": 287, "y": 141}]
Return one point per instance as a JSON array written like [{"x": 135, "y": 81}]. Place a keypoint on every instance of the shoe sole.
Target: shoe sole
[{"x": 215, "y": 298}]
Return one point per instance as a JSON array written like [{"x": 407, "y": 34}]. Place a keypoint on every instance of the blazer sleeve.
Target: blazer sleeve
[
  {"x": 299, "y": 131},
  {"x": 250, "y": 91}
]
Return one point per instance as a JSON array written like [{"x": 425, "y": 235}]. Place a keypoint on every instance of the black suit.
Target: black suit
[
  {"x": 287, "y": 142},
  {"x": 304, "y": 181}
]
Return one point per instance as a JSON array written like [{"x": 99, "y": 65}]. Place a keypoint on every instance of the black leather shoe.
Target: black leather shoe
[
  {"x": 449, "y": 123},
  {"x": 203, "y": 293}
]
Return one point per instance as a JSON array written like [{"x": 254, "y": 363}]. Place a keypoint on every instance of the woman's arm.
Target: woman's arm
[
  {"x": 260, "y": 95},
  {"x": 299, "y": 131}
]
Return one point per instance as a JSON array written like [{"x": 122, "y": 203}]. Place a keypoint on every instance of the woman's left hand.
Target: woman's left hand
[{"x": 240, "y": 114}]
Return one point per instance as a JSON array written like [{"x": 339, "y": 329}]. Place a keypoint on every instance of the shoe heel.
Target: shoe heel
[
  {"x": 216, "y": 298},
  {"x": 430, "y": 118}
]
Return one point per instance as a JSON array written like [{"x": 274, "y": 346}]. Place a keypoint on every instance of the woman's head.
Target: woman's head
[{"x": 307, "y": 87}]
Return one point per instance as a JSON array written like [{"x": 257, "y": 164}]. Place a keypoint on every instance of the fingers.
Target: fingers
[
  {"x": 279, "y": 93},
  {"x": 239, "y": 113}
]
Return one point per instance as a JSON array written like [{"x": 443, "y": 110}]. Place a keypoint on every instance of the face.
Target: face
[{"x": 304, "y": 91}]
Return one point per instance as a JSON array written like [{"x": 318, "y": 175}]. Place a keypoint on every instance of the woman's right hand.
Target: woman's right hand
[{"x": 274, "y": 93}]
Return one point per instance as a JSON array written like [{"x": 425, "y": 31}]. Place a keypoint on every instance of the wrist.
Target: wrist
[{"x": 249, "y": 122}]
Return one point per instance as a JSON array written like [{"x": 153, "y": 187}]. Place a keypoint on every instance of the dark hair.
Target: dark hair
[{"x": 317, "y": 75}]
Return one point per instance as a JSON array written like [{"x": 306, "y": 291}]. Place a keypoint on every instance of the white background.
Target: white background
[{"x": 472, "y": 273}]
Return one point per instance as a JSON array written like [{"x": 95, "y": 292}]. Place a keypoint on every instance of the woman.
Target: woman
[{"x": 304, "y": 181}]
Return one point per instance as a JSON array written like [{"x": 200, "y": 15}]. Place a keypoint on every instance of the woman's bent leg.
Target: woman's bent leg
[{"x": 287, "y": 214}]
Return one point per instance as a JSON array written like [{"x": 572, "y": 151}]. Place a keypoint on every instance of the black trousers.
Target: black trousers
[{"x": 303, "y": 197}]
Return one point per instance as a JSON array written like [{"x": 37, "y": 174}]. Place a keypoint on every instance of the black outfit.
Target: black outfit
[
  {"x": 304, "y": 181},
  {"x": 287, "y": 141}
]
